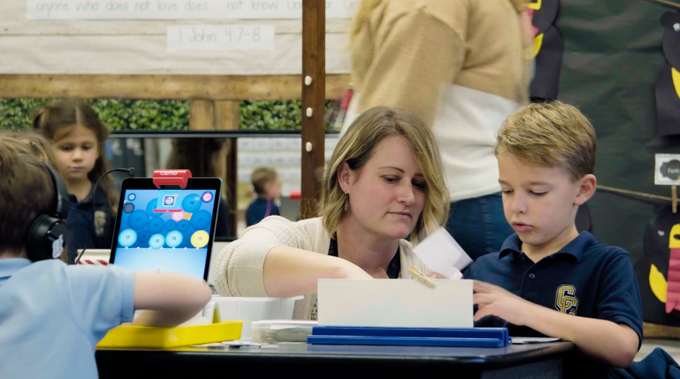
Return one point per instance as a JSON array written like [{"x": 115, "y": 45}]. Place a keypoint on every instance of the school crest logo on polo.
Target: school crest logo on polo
[{"x": 565, "y": 299}]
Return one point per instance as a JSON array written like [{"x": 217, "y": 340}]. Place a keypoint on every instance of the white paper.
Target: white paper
[
  {"x": 220, "y": 37},
  {"x": 395, "y": 303},
  {"x": 178, "y": 9},
  {"x": 442, "y": 254}
]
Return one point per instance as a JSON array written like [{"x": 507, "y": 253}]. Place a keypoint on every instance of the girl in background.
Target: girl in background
[{"x": 77, "y": 136}]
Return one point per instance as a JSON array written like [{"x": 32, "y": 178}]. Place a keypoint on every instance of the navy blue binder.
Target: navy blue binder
[{"x": 455, "y": 337}]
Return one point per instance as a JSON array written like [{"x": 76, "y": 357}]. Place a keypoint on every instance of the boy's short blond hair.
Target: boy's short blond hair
[
  {"x": 552, "y": 134},
  {"x": 260, "y": 177}
]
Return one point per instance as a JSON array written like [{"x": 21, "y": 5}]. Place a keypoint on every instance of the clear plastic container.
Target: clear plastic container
[
  {"x": 251, "y": 309},
  {"x": 275, "y": 331}
]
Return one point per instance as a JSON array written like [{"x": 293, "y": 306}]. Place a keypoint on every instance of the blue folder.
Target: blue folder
[{"x": 455, "y": 337}]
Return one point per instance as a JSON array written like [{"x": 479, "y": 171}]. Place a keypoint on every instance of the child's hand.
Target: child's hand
[{"x": 496, "y": 301}]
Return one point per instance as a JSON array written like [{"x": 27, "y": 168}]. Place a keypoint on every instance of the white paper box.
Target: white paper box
[{"x": 395, "y": 303}]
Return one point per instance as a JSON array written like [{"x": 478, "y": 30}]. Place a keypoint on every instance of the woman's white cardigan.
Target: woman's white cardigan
[{"x": 238, "y": 268}]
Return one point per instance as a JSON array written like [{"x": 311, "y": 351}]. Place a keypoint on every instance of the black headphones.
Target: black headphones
[{"x": 47, "y": 234}]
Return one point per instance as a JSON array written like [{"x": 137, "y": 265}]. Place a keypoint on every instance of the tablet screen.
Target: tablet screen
[{"x": 165, "y": 230}]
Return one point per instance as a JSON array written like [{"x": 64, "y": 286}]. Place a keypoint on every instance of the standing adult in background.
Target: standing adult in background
[
  {"x": 460, "y": 66},
  {"x": 205, "y": 159}
]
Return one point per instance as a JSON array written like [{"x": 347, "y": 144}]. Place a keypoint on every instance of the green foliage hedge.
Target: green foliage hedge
[{"x": 159, "y": 114}]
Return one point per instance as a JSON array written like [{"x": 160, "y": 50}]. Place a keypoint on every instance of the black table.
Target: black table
[{"x": 320, "y": 361}]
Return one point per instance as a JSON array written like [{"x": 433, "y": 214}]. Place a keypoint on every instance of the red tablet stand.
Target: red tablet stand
[{"x": 171, "y": 178}]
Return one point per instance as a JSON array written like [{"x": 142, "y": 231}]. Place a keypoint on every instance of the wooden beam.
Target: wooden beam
[
  {"x": 313, "y": 100},
  {"x": 172, "y": 87},
  {"x": 660, "y": 331},
  {"x": 227, "y": 117}
]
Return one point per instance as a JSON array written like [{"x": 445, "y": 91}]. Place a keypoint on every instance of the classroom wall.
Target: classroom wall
[
  {"x": 139, "y": 47},
  {"x": 612, "y": 59}
]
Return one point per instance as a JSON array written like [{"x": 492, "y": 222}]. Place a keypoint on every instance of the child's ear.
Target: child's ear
[
  {"x": 587, "y": 185},
  {"x": 344, "y": 175}
]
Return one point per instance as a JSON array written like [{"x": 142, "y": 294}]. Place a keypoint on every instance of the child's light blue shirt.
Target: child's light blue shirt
[{"x": 52, "y": 316}]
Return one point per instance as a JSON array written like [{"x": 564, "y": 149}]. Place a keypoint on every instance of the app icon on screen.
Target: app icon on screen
[{"x": 168, "y": 201}]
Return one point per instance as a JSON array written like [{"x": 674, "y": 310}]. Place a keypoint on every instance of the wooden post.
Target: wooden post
[
  {"x": 313, "y": 100},
  {"x": 202, "y": 115},
  {"x": 227, "y": 117}
]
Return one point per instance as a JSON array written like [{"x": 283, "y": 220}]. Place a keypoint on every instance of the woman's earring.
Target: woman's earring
[{"x": 346, "y": 205}]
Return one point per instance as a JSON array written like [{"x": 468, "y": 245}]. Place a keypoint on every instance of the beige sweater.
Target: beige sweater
[
  {"x": 238, "y": 268},
  {"x": 459, "y": 65}
]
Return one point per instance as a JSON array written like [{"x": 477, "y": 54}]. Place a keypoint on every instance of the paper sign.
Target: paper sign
[
  {"x": 442, "y": 254},
  {"x": 179, "y": 9},
  {"x": 395, "y": 303},
  {"x": 220, "y": 37},
  {"x": 667, "y": 172}
]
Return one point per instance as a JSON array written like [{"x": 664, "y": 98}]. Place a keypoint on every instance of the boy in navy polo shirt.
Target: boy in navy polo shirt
[
  {"x": 53, "y": 315},
  {"x": 548, "y": 279}
]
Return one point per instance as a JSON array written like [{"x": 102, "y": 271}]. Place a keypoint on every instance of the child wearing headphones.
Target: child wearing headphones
[
  {"x": 52, "y": 315},
  {"x": 36, "y": 145},
  {"x": 77, "y": 136}
]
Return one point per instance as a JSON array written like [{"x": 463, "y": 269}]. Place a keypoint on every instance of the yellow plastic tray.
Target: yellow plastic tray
[{"x": 145, "y": 336}]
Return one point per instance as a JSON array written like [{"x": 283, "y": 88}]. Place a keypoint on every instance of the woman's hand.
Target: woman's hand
[{"x": 289, "y": 271}]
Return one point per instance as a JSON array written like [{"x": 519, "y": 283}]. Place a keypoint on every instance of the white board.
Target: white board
[{"x": 395, "y": 303}]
